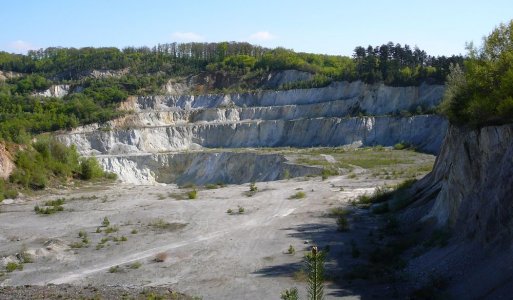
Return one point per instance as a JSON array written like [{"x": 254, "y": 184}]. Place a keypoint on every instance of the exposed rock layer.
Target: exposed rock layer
[
  {"x": 203, "y": 168},
  {"x": 471, "y": 185}
]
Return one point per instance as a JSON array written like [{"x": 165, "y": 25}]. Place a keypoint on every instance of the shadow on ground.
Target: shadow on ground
[{"x": 339, "y": 260}]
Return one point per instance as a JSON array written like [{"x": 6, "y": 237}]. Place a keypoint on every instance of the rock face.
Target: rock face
[
  {"x": 6, "y": 162},
  {"x": 425, "y": 132},
  {"x": 57, "y": 91},
  {"x": 137, "y": 146},
  {"x": 471, "y": 185},
  {"x": 203, "y": 168},
  {"x": 298, "y": 118}
]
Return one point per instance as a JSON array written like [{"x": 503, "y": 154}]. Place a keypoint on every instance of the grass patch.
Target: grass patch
[
  {"x": 161, "y": 225},
  {"x": 135, "y": 265},
  {"x": 192, "y": 194},
  {"x": 342, "y": 223},
  {"x": 327, "y": 172},
  {"x": 298, "y": 195},
  {"x": 13, "y": 266},
  {"x": 178, "y": 196},
  {"x": 115, "y": 269},
  {"x": 110, "y": 229},
  {"x": 50, "y": 207}
]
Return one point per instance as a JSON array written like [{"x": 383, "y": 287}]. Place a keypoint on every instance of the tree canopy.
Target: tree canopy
[{"x": 481, "y": 93}]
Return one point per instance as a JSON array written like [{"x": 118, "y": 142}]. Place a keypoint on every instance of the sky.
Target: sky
[{"x": 320, "y": 26}]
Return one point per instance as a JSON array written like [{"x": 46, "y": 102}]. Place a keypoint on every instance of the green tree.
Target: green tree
[
  {"x": 483, "y": 94},
  {"x": 315, "y": 267}
]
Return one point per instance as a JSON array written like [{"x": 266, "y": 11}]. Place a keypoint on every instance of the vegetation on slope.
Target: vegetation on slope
[
  {"x": 481, "y": 93},
  {"x": 47, "y": 162}
]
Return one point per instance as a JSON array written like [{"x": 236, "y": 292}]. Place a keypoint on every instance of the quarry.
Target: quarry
[{"x": 221, "y": 196}]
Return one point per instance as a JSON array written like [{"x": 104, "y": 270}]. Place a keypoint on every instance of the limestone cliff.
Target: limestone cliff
[{"x": 471, "y": 185}]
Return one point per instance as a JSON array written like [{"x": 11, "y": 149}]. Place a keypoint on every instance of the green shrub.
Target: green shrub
[
  {"x": 241, "y": 210},
  {"x": 290, "y": 294},
  {"x": 90, "y": 169},
  {"x": 192, "y": 194},
  {"x": 298, "y": 195},
  {"x": 105, "y": 222},
  {"x": 114, "y": 269},
  {"x": 327, "y": 172},
  {"x": 342, "y": 223},
  {"x": 481, "y": 94},
  {"x": 253, "y": 188},
  {"x": 291, "y": 250},
  {"x": 13, "y": 266}
]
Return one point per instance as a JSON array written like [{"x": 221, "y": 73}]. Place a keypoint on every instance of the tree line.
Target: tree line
[{"x": 390, "y": 63}]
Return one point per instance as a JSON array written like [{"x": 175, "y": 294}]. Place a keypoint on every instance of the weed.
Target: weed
[
  {"x": 298, "y": 195},
  {"x": 290, "y": 294},
  {"x": 291, "y": 250},
  {"x": 76, "y": 245},
  {"x": 161, "y": 196},
  {"x": 351, "y": 175},
  {"x": 192, "y": 194},
  {"x": 135, "y": 265},
  {"x": 253, "y": 188},
  {"x": 327, "y": 172},
  {"x": 13, "y": 266},
  {"x": 82, "y": 234},
  {"x": 114, "y": 269},
  {"x": 241, "y": 210},
  {"x": 98, "y": 230},
  {"x": 211, "y": 186},
  {"x": 105, "y": 222},
  {"x": 123, "y": 238},
  {"x": 26, "y": 257},
  {"x": 229, "y": 211},
  {"x": 110, "y": 229},
  {"x": 50, "y": 207},
  {"x": 342, "y": 223},
  {"x": 339, "y": 211},
  {"x": 161, "y": 225},
  {"x": 134, "y": 231}
]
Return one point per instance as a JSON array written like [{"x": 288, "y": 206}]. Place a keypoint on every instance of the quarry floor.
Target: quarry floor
[{"x": 206, "y": 251}]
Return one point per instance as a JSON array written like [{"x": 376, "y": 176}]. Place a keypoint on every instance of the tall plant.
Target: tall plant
[{"x": 315, "y": 266}]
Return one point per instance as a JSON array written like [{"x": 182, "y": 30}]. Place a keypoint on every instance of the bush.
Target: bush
[
  {"x": 253, "y": 188},
  {"x": 290, "y": 294},
  {"x": 291, "y": 250},
  {"x": 192, "y": 194},
  {"x": 13, "y": 266},
  {"x": 90, "y": 169},
  {"x": 342, "y": 223},
  {"x": 298, "y": 195},
  {"x": 481, "y": 93},
  {"x": 326, "y": 172}
]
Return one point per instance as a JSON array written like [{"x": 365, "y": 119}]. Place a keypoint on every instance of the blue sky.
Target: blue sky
[{"x": 321, "y": 26}]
